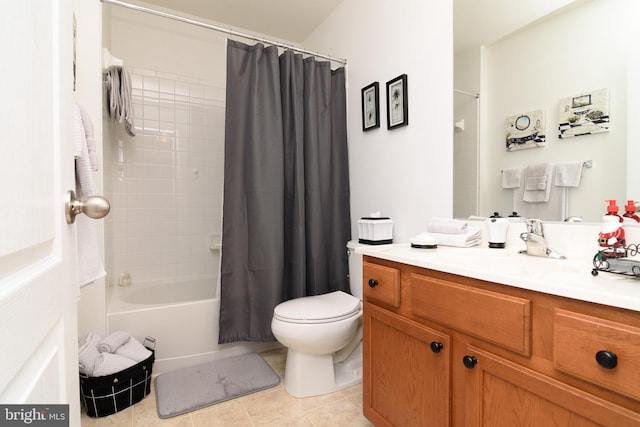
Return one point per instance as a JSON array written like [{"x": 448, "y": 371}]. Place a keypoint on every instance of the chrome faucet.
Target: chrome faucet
[{"x": 536, "y": 242}]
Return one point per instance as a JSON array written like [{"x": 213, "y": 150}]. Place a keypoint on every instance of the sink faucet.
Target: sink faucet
[{"x": 536, "y": 242}]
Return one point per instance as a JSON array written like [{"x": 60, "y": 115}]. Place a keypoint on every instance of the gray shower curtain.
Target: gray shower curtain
[{"x": 286, "y": 216}]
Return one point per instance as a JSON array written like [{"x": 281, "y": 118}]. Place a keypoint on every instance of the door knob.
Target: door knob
[{"x": 95, "y": 207}]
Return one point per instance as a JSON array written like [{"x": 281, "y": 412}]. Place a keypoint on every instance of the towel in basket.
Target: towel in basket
[{"x": 106, "y": 395}]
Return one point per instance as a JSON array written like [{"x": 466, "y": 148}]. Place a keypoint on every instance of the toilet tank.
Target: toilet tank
[{"x": 355, "y": 269}]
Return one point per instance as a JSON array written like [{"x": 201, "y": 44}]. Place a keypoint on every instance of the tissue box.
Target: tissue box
[{"x": 375, "y": 231}]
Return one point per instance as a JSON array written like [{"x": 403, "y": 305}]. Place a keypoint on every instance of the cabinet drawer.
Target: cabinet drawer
[
  {"x": 497, "y": 318},
  {"x": 381, "y": 284},
  {"x": 578, "y": 339}
]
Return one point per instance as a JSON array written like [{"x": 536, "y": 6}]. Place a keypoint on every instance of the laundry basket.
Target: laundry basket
[{"x": 106, "y": 395}]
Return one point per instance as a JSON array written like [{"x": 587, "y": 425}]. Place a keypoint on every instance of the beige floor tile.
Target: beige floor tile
[
  {"x": 340, "y": 413},
  {"x": 272, "y": 406},
  {"x": 225, "y": 414},
  {"x": 120, "y": 419}
]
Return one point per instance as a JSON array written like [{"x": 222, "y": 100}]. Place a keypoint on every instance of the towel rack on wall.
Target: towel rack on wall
[{"x": 587, "y": 164}]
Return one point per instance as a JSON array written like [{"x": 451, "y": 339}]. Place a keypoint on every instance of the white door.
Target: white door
[{"x": 38, "y": 294}]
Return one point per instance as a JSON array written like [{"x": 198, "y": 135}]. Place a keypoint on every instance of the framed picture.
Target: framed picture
[
  {"x": 397, "y": 102},
  {"x": 584, "y": 114},
  {"x": 526, "y": 130},
  {"x": 370, "y": 107}
]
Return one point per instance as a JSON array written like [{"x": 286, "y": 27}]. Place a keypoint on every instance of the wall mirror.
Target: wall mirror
[{"x": 508, "y": 62}]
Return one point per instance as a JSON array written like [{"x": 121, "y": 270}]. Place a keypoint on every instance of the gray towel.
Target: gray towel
[
  {"x": 120, "y": 106},
  {"x": 112, "y": 342}
]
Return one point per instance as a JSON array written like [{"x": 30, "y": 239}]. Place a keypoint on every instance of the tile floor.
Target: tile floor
[{"x": 272, "y": 407}]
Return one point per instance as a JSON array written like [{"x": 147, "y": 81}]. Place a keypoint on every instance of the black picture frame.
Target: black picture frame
[
  {"x": 397, "y": 102},
  {"x": 370, "y": 107}
]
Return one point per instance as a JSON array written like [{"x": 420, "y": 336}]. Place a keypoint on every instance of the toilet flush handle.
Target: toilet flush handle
[{"x": 373, "y": 283}]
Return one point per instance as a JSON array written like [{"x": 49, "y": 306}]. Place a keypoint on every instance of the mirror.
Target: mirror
[{"x": 531, "y": 60}]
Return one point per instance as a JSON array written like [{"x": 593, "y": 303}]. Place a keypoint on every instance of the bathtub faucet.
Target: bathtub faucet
[{"x": 124, "y": 279}]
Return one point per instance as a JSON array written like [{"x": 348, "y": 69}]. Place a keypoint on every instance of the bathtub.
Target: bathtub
[{"x": 182, "y": 316}]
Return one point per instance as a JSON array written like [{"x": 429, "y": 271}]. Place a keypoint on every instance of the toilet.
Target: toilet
[{"x": 323, "y": 336}]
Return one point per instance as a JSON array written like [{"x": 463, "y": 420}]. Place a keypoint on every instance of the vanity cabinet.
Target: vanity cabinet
[{"x": 448, "y": 350}]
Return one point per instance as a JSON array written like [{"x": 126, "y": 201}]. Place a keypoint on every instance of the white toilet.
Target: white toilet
[{"x": 323, "y": 335}]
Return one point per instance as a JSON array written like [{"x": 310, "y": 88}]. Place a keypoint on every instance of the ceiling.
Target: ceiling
[
  {"x": 475, "y": 22},
  {"x": 290, "y": 20}
]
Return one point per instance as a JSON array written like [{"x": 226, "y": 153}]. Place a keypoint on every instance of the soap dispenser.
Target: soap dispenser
[
  {"x": 612, "y": 209},
  {"x": 497, "y": 227},
  {"x": 630, "y": 212}
]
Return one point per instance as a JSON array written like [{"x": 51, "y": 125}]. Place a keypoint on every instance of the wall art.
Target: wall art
[
  {"x": 370, "y": 107},
  {"x": 584, "y": 114},
  {"x": 397, "y": 102},
  {"x": 526, "y": 130}
]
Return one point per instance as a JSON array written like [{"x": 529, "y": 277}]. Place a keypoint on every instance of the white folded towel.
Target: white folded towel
[
  {"x": 134, "y": 350},
  {"x": 88, "y": 353},
  {"x": 446, "y": 225},
  {"x": 537, "y": 180},
  {"x": 511, "y": 177},
  {"x": 107, "y": 364},
  {"x": 568, "y": 174},
  {"x": 112, "y": 342},
  {"x": 472, "y": 237}
]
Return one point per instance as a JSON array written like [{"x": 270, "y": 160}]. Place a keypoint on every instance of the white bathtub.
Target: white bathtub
[{"x": 181, "y": 315}]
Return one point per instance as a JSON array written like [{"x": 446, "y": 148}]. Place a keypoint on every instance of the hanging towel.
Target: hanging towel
[
  {"x": 446, "y": 225},
  {"x": 107, "y": 364},
  {"x": 134, "y": 350},
  {"x": 512, "y": 177},
  {"x": 537, "y": 183},
  {"x": 568, "y": 174},
  {"x": 88, "y": 353},
  {"x": 555, "y": 209},
  {"x": 118, "y": 96},
  {"x": 112, "y": 342},
  {"x": 89, "y": 262}
]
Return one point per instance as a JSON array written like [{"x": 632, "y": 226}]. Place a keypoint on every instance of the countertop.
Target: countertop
[{"x": 569, "y": 278}]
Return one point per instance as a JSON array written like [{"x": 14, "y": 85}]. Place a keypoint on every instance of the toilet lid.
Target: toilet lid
[{"x": 329, "y": 307}]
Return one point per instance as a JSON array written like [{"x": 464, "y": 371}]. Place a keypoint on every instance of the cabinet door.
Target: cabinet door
[
  {"x": 500, "y": 393},
  {"x": 406, "y": 371}
]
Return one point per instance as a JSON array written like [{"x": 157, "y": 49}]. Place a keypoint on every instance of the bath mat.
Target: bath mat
[{"x": 196, "y": 387}]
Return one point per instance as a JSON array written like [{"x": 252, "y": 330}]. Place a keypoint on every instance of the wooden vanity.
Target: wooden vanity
[{"x": 443, "y": 349}]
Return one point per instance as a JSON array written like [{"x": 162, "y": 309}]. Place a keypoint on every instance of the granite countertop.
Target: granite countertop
[{"x": 569, "y": 278}]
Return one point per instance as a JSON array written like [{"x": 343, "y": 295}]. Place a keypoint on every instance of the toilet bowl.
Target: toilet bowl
[{"x": 323, "y": 336}]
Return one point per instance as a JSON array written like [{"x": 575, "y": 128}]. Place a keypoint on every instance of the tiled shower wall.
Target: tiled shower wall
[{"x": 165, "y": 184}]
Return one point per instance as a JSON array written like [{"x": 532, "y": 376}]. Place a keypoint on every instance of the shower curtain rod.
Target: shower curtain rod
[
  {"x": 220, "y": 29},
  {"x": 464, "y": 92}
]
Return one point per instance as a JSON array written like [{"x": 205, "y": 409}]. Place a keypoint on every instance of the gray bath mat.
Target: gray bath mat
[{"x": 188, "y": 389}]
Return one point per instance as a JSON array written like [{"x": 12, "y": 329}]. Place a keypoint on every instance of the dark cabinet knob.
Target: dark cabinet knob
[
  {"x": 607, "y": 359},
  {"x": 469, "y": 362},
  {"x": 436, "y": 346},
  {"x": 373, "y": 283}
]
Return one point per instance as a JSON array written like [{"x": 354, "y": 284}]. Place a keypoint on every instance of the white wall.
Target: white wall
[
  {"x": 91, "y": 306},
  {"x": 405, "y": 173},
  {"x": 571, "y": 53}
]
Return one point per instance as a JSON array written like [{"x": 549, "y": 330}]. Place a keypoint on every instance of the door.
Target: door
[
  {"x": 406, "y": 379},
  {"x": 500, "y": 393},
  {"x": 38, "y": 291}
]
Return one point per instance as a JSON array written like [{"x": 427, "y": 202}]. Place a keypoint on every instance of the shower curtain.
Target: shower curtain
[{"x": 286, "y": 216}]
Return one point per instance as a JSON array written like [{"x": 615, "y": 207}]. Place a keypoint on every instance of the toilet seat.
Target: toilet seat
[{"x": 325, "y": 308}]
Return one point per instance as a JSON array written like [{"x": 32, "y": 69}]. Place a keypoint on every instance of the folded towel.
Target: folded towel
[
  {"x": 112, "y": 342},
  {"x": 446, "y": 225},
  {"x": 134, "y": 350},
  {"x": 88, "y": 353},
  {"x": 107, "y": 364},
  {"x": 472, "y": 237},
  {"x": 536, "y": 178},
  {"x": 511, "y": 177},
  {"x": 568, "y": 174}
]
